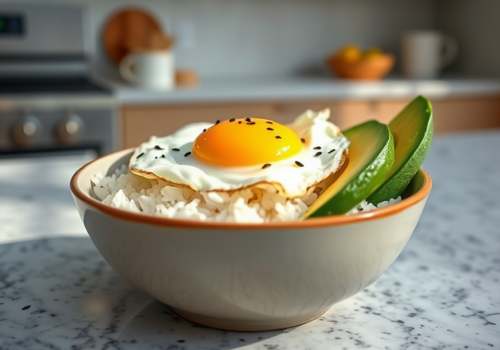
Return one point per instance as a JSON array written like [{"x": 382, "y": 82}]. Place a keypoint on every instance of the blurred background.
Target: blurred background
[
  {"x": 83, "y": 78},
  {"x": 93, "y": 76}
]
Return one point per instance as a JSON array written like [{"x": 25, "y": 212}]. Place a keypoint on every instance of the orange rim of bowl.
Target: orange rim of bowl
[{"x": 333, "y": 220}]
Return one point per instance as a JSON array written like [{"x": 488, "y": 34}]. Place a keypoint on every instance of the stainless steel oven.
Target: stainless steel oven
[
  {"x": 49, "y": 103},
  {"x": 36, "y": 126}
]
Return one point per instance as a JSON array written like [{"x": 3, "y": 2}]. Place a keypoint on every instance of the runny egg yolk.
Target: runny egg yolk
[{"x": 246, "y": 142}]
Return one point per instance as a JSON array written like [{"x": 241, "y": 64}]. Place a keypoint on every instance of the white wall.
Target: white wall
[
  {"x": 279, "y": 37},
  {"x": 283, "y": 37},
  {"x": 476, "y": 25},
  {"x": 270, "y": 37}
]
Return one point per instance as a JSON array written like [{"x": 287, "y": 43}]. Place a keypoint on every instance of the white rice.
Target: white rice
[
  {"x": 127, "y": 191},
  {"x": 367, "y": 206}
]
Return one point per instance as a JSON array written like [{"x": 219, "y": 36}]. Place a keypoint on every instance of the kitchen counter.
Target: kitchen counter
[
  {"x": 56, "y": 292},
  {"x": 266, "y": 89},
  {"x": 56, "y": 100}
]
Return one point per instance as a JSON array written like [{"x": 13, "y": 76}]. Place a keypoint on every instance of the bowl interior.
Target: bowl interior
[
  {"x": 106, "y": 165},
  {"x": 81, "y": 188}
]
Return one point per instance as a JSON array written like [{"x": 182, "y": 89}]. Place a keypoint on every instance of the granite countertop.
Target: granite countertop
[
  {"x": 282, "y": 89},
  {"x": 56, "y": 292}
]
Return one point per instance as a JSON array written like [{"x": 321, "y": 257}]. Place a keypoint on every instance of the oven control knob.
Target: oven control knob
[
  {"x": 69, "y": 129},
  {"x": 26, "y": 130}
]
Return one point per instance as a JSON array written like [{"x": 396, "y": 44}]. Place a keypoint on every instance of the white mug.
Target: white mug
[
  {"x": 425, "y": 53},
  {"x": 152, "y": 70}
]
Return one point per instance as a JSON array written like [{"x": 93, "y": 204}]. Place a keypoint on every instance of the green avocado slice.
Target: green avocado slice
[
  {"x": 371, "y": 156},
  {"x": 412, "y": 129}
]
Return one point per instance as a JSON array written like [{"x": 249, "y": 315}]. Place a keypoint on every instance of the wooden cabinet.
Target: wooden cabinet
[
  {"x": 467, "y": 114},
  {"x": 451, "y": 115},
  {"x": 139, "y": 122}
]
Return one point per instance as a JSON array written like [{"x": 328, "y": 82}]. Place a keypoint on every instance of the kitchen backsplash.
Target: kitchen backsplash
[
  {"x": 476, "y": 24},
  {"x": 291, "y": 37},
  {"x": 262, "y": 37}
]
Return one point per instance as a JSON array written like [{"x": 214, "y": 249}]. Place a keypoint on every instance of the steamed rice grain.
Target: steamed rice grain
[{"x": 127, "y": 191}]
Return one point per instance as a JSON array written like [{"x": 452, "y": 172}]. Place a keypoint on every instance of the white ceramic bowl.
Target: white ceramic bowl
[{"x": 247, "y": 276}]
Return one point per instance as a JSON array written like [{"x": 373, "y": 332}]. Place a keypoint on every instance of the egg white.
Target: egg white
[{"x": 157, "y": 159}]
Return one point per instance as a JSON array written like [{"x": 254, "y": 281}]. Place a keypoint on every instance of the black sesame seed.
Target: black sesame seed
[
  {"x": 303, "y": 140},
  {"x": 156, "y": 157},
  {"x": 158, "y": 148},
  {"x": 239, "y": 121},
  {"x": 163, "y": 156},
  {"x": 248, "y": 120},
  {"x": 269, "y": 122},
  {"x": 270, "y": 129},
  {"x": 299, "y": 164},
  {"x": 26, "y": 307},
  {"x": 317, "y": 154},
  {"x": 267, "y": 165},
  {"x": 204, "y": 130},
  {"x": 232, "y": 120},
  {"x": 181, "y": 341},
  {"x": 251, "y": 123},
  {"x": 187, "y": 154},
  {"x": 317, "y": 147},
  {"x": 332, "y": 150},
  {"x": 217, "y": 121},
  {"x": 139, "y": 155},
  {"x": 176, "y": 149},
  {"x": 277, "y": 137}
]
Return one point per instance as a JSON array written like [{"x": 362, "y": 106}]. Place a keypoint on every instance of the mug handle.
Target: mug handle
[
  {"x": 127, "y": 68},
  {"x": 450, "y": 50}
]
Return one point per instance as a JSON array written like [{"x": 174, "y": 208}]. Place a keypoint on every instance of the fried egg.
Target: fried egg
[{"x": 242, "y": 152}]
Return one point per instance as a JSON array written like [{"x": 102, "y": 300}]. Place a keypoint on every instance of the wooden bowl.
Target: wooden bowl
[{"x": 371, "y": 68}]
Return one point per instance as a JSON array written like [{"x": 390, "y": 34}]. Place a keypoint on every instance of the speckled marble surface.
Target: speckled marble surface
[{"x": 443, "y": 292}]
